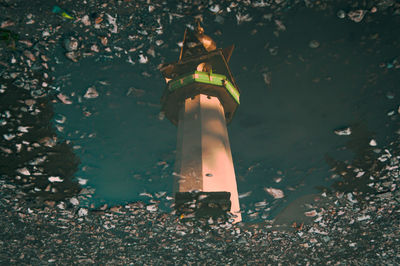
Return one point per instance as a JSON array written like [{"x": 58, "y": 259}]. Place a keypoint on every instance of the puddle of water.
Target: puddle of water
[
  {"x": 118, "y": 135},
  {"x": 283, "y": 130}
]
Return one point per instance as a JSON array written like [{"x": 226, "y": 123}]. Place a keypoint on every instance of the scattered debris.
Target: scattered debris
[
  {"x": 244, "y": 195},
  {"x": 243, "y": 18},
  {"x": 343, "y": 132},
  {"x": 311, "y": 213},
  {"x": 74, "y": 201},
  {"x": 313, "y": 44},
  {"x": 71, "y": 44},
  {"x": 143, "y": 59},
  {"x": 372, "y": 143},
  {"x": 55, "y": 179},
  {"x": 112, "y": 21},
  {"x": 274, "y": 192},
  {"x": 357, "y": 15},
  {"x": 63, "y": 98},
  {"x": 82, "y": 212},
  {"x": 91, "y": 93},
  {"x": 341, "y": 14}
]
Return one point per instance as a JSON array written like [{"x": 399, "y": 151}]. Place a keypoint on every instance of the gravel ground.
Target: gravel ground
[
  {"x": 42, "y": 220},
  {"x": 344, "y": 231}
]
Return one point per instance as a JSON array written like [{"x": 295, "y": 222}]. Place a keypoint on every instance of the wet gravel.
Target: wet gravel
[
  {"x": 43, "y": 220},
  {"x": 344, "y": 231}
]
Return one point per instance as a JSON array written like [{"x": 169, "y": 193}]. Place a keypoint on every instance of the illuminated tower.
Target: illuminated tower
[{"x": 200, "y": 99}]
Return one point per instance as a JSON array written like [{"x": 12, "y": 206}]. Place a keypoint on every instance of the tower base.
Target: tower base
[{"x": 203, "y": 204}]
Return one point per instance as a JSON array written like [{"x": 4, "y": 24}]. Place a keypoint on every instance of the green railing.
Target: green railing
[{"x": 206, "y": 78}]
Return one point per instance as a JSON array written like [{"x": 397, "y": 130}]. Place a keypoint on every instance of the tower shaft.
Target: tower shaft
[{"x": 204, "y": 159}]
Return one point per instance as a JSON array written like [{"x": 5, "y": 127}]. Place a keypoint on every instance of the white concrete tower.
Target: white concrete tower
[{"x": 201, "y": 98}]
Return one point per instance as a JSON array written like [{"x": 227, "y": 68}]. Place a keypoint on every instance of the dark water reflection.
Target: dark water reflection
[
  {"x": 33, "y": 154},
  {"x": 283, "y": 130},
  {"x": 303, "y": 74},
  {"x": 124, "y": 147},
  {"x": 359, "y": 174}
]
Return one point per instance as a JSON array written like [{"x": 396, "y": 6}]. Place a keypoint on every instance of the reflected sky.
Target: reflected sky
[
  {"x": 122, "y": 141},
  {"x": 293, "y": 97}
]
